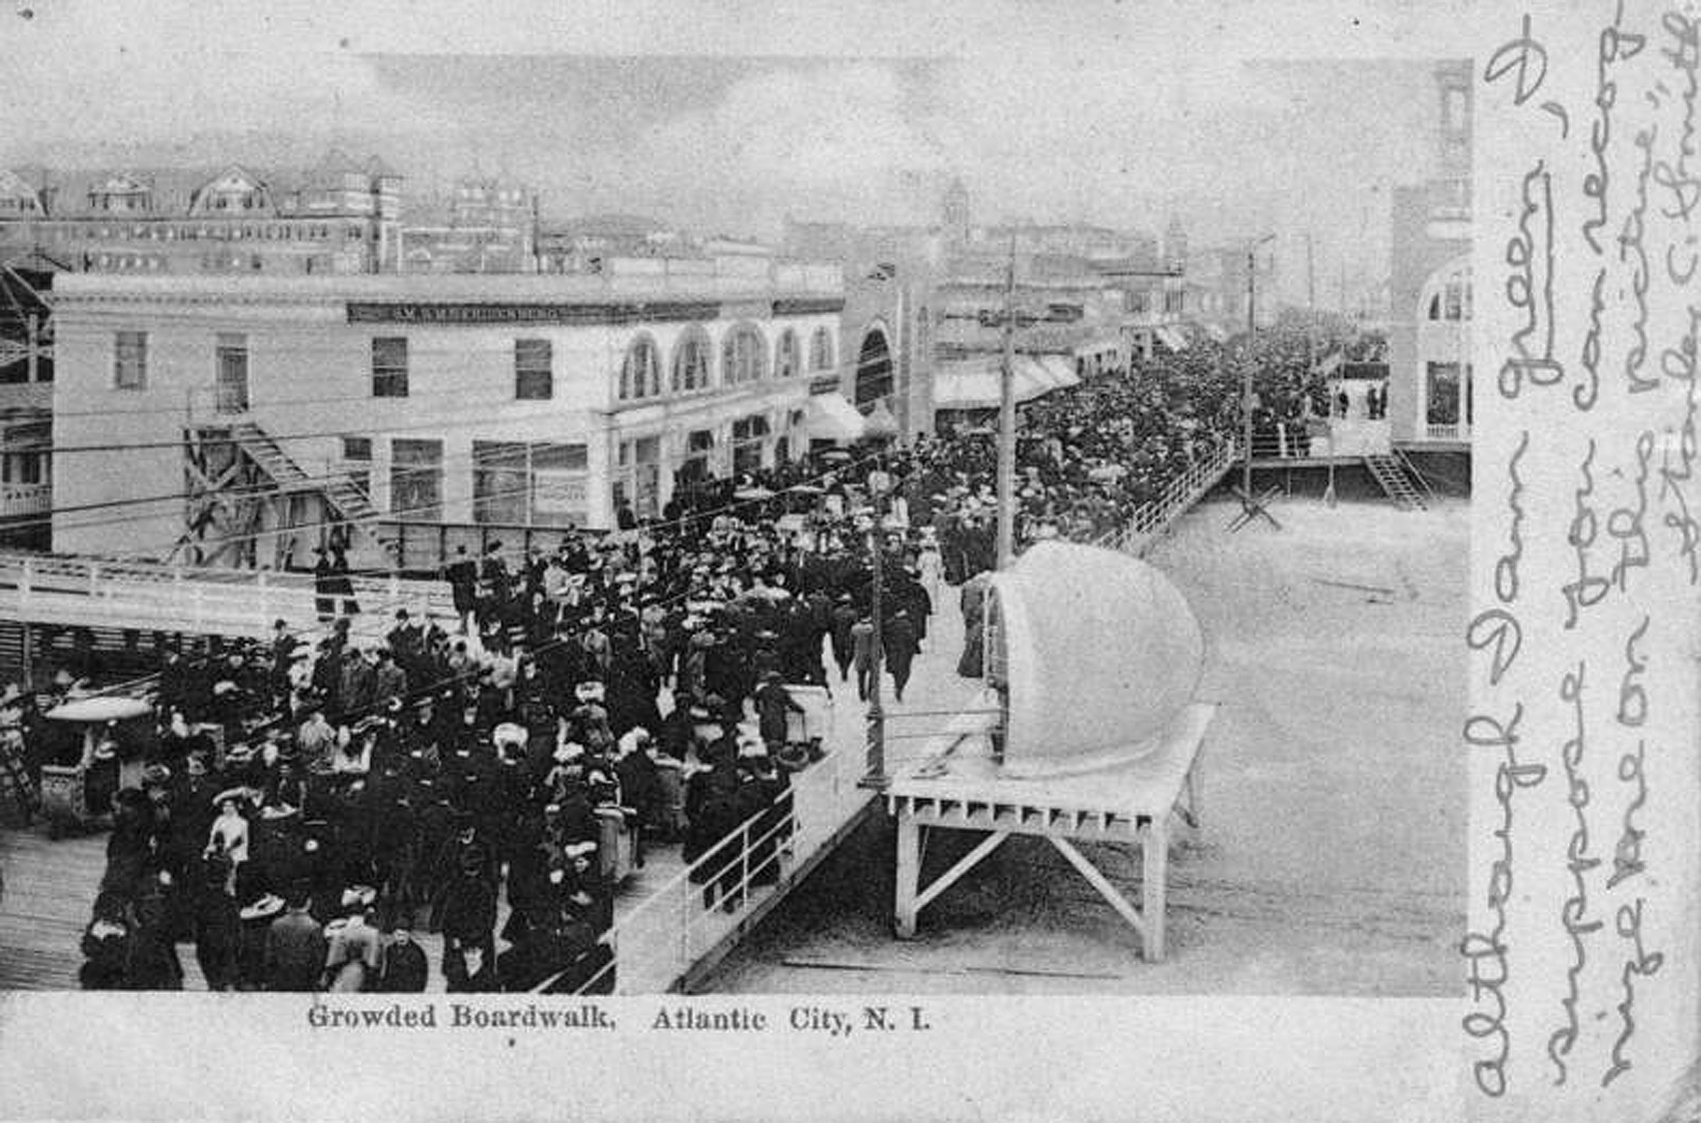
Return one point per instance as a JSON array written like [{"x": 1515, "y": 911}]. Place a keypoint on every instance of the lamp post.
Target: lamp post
[{"x": 875, "y": 776}]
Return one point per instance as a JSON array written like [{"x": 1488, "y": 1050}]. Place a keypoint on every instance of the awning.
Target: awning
[
  {"x": 832, "y": 418},
  {"x": 974, "y": 383},
  {"x": 1172, "y": 338},
  {"x": 1060, "y": 369},
  {"x": 880, "y": 422}
]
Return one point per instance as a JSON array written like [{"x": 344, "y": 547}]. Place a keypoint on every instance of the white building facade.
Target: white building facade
[{"x": 240, "y": 420}]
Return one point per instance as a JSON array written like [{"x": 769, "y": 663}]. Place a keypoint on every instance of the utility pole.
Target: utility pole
[
  {"x": 1251, "y": 507},
  {"x": 1007, "y": 419}
]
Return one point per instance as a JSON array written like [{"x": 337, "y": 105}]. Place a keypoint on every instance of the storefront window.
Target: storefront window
[{"x": 536, "y": 484}]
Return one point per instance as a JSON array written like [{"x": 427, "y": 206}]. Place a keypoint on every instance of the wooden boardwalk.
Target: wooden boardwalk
[{"x": 665, "y": 938}]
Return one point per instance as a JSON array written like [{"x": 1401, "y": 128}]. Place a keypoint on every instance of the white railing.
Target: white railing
[
  {"x": 17, "y": 500},
  {"x": 659, "y": 941},
  {"x": 1151, "y": 518},
  {"x": 1448, "y": 431},
  {"x": 187, "y": 598}
]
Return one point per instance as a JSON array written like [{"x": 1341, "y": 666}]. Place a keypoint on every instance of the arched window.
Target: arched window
[
  {"x": 786, "y": 357},
  {"x": 873, "y": 370},
  {"x": 1448, "y": 295},
  {"x": 691, "y": 361},
  {"x": 744, "y": 356},
  {"x": 640, "y": 373},
  {"x": 821, "y": 350}
]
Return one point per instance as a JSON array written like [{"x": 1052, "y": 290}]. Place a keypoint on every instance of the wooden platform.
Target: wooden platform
[{"x": 963, "y": 787}]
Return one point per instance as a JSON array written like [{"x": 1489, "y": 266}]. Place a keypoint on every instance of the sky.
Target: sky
[{"x": 723, "y": 117}]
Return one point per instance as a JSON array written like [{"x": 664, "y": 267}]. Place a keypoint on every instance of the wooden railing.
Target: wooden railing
[
  {"x": 1152, "y": 518},
  {"x": 186, "y": 598},
  {"x": 658, "y": 943}
]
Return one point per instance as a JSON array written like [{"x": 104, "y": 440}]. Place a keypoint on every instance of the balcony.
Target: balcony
[
  {"x": 21, "y": 500},
  {"x": 1447, "y": 431}
]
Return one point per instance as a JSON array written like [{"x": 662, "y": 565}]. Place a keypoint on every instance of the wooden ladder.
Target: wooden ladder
[{"x": 1390, "y": 475}]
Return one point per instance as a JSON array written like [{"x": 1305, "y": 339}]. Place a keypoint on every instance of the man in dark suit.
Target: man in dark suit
[
  {"x": 899, "y": 641},
  {"x": 295, "y": 949}
]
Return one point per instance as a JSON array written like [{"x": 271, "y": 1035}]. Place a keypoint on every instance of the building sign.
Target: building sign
[
  {"x": 813, "y": 306},
  {"x": 558, "y": 492},
  {"x": 481, "y": 314}
]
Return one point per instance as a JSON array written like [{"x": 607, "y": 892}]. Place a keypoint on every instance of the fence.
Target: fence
[
  {"x": 189, "y": 599},
  {"x": 1152, "y": 518},
  {"x": 656, "y": 944}
]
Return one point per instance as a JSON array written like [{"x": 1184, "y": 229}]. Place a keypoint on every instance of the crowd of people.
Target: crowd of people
[{"x": 307, "y": 808}]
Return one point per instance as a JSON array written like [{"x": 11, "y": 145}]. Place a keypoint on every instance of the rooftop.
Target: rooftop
[{"x": 631, "y": 278}]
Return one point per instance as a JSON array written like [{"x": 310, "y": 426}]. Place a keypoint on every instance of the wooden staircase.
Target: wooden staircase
[
  {"x": 1393, "y": 476},
  {"x": 352, "y": 503}
]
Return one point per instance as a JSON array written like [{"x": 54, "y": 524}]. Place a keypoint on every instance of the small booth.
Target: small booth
[
  {"x": 1086, "y": 729},
  {"x": 78, "y": 794}
]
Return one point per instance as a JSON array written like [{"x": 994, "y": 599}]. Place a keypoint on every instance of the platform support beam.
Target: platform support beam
[
  {"x": 1150, "y": 926},
  {"x": 909, "y": 872},
  {"x": 964, "y": 864}
]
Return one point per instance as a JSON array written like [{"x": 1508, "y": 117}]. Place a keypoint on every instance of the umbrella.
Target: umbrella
[{"x": 753, "y": 493}]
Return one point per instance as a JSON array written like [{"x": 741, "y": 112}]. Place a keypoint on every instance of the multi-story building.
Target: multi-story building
[
  {"x": 292, "y": 405},
  {"x": 1429, "y": 291},
  {"x": 26, "y": 401},
  {"x": 484, "y": 225},
  {"x": 340, "y": 216}
]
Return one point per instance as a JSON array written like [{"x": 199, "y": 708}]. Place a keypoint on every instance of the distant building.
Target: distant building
[
  {"x": 955, "y": 214},
  {"x": 581, "y": 245},
  {"x": 340, "y": 216},
  {"x": 413, "y": 406},
  {"x": 484, "y": 225},
  {"x": 1429, "y": 292}
]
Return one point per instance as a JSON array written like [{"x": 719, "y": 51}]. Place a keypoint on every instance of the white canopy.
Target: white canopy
[
  {"x": 831, "y": 417},
  {"x": 1172, "y": 337},
  {"x": 100, "y": 709},
  {"x": 973, "y": 383},
  {"x": 1101, "y": 653}
]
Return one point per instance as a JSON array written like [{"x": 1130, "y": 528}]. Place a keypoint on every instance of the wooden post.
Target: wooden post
[
  {"x": 1154, "y": 876},
  {"x": 909, "y": 872}
]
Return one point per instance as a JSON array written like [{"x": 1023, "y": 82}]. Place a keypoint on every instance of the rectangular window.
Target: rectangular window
[
  {"x": 390, "y": 367},
  {"x": 560, "y": 484},
  {"x": 748, "y": 435},
  {"x": 500, "y": 482},
  {"x": 1442, "y": 407},
  {"x": 416, "y": 480},
  {"x": 230, "y": 358},
  {"x": 130, "y": 361},
  {"x": 534, "y": 370},
  {"x": 540, "y": 484}
]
